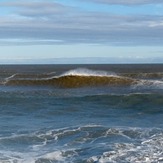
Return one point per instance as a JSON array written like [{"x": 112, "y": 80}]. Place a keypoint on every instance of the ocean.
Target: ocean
[{"x": 81, "y": 113}]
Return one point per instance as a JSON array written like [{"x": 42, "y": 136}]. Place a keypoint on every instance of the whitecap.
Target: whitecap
[{"x": 87, "y": 72}]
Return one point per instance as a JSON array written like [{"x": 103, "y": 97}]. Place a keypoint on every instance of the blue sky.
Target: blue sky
[{"x": 42, "y": 29}]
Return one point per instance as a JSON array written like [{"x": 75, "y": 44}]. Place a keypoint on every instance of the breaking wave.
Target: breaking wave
[
  {"x": 86, "y": 78},
  {"x": 73, "y": 79}
]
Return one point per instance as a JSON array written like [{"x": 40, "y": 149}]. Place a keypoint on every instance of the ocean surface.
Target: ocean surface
[{"x": 81, "y": 113}]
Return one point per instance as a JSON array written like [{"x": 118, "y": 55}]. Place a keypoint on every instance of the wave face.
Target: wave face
[{"x": 72, "y": 79}]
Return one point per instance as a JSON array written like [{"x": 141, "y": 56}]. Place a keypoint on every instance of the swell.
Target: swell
[
  {"x": 74, "y": 81},
  {"x": 150, "y": 103}
]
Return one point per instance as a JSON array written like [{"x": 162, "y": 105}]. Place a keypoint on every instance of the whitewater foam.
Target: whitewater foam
[
  {"x": 148, "y": 150},
  {"x": 148, "y": 84},
  {"x": 54, "y": 156},
  {"x": 143, "y": 145}
]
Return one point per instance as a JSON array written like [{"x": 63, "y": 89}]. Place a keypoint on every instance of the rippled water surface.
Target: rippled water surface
[{"x": 81, "y": 114}]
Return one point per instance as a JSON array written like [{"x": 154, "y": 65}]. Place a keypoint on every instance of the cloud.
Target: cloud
[
  {"x": 35, "y": 8},
  {"x": 128, "y": 2},
  {"x": 41, "y": 22}
]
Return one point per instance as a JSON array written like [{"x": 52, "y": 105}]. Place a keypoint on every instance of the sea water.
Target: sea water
[{"x": 81, "y": 113}]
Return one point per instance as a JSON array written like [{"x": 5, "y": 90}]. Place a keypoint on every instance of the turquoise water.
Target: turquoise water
[{"x": 44, "y": 120}]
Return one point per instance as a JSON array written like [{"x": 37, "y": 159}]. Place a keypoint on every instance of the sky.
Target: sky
[{"x": 42, "y": 30}]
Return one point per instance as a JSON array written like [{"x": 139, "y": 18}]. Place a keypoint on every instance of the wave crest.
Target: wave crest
[{"x": 87, "y": 72}]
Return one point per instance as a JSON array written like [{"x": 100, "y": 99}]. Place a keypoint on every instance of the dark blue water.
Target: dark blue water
[{"x": 42, "y": 122}]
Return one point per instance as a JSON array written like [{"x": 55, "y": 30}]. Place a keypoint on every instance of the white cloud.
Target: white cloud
[
  {"x": 35, "y": 8},
  {"x": 156, "y": 24},
  {"x": 129, "y": 2}
]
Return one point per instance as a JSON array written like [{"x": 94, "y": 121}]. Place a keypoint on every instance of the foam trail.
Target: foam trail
[
  {"x": 4, "y": 81},
  {"x": 10, "y": 77}
]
